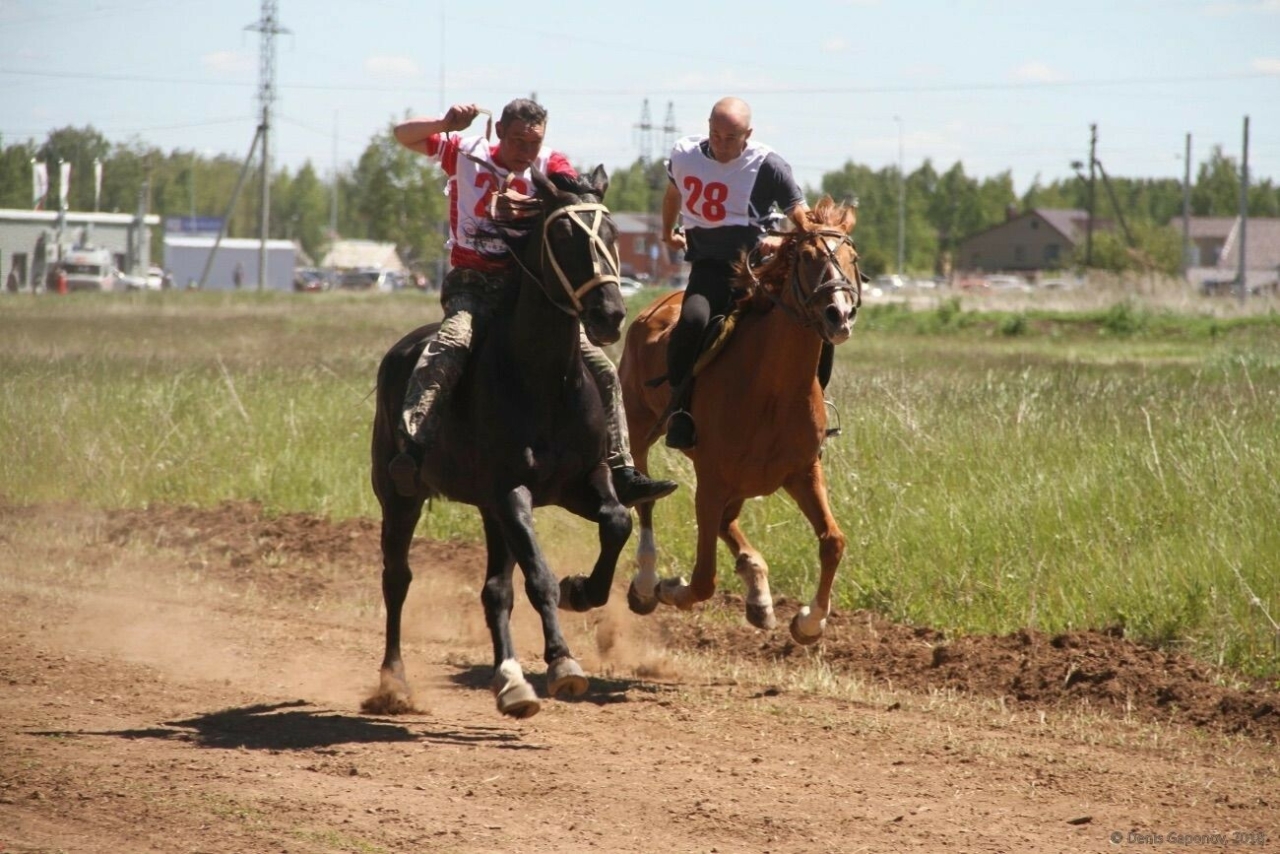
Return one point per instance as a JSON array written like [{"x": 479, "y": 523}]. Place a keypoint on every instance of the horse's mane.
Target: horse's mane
[
  {"x": 516, "y": 221},
  {"x": 768, "y": 278}
]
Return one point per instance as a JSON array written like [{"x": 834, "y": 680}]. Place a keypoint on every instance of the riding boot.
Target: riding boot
[
  {"x": 633, "y": 486},
  {"x": 433, "y": 378},
  {"x": 681, "y": 431}
]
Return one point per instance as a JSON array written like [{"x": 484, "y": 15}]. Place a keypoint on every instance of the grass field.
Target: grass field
[{"x": 1002, "y": 465}]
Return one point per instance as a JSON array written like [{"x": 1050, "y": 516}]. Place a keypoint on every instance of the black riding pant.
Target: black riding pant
[{"x": 710, "y": 292}]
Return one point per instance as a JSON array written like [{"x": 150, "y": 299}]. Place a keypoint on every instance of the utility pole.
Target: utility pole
[
  {"x": 1186, "y": 210},
  {"x": 902, "y": 200},
  {"x": 1244, "y": 212},
  {"x": 1093, "y": 161},
  {"x": 268, "y": 28}
]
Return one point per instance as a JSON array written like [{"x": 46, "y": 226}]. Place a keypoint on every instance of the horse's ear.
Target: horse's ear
[
  {"x": 543, "y": 183},
  {"x": 599, "y": 180}
]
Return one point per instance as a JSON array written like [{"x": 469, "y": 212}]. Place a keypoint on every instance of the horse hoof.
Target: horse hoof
[
  {"x": 565, "y": 676},
  {"x": 798, "y": 635},
  {"x": 638, "y": 604},
  {"x": 518, "y": 700},
  {"x": 571, "y": 595},
  {"x": 667, "y": 591},
  {"x": 761, "y": 616}
]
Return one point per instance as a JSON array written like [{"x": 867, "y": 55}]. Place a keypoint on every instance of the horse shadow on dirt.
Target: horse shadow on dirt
[
  {"x": 296, "y": 725},
  {"x": 602, "y": 690}
]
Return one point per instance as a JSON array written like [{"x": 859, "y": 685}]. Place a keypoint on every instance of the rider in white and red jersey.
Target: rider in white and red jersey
[{"x": 480, "y": 276}]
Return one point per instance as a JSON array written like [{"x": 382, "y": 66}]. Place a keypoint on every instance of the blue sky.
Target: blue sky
[{"x": 994, "y": 85}]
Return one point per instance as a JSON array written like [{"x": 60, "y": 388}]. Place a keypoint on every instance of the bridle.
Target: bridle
[
  {"x": 829, "y": 241},
  {"x": 605, "y": 264}
]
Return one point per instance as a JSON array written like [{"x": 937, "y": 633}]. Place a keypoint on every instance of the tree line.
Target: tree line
[{"x": 393, "y": 195}]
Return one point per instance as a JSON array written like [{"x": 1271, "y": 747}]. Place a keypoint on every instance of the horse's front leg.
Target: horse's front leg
[
  {"x": 514, "y": 517},
  {"x": 750, "y": 566},
  {"x": 809, "y": 489},
  {"x": 514, "y": 695},
  {"x": 596, "y": 501},
  {"x": 710, "y": 502}
]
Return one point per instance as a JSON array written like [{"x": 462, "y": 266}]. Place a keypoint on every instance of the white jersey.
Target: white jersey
[
  {"x": 715, "y": 194},
  {"x": 471, "y": 187}
]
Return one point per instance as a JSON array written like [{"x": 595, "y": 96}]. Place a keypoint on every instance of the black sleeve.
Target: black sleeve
[{"x": 775, "y": 185}]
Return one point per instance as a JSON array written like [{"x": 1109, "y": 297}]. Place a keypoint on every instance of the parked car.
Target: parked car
[
  {"x": 382, "y": 281},
  {"x": 309, "y": 280},
  {"x": 629, "y": 285},
  {"x": 889, "y": 282},
  {"x": 1008, "y": 284}
]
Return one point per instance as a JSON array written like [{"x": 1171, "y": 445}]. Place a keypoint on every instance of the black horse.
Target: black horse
[{"x": 525, "y": 428}]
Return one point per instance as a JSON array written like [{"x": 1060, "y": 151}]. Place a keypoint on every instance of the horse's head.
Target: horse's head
[
  {"x": 815, "y": 274},
  {"x": 578, "y": 255}
]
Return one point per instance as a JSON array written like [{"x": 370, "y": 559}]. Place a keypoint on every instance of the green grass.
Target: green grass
[{"x": 1060, "y": 470}]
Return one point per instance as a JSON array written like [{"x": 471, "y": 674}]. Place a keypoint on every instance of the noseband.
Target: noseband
[{"x": 605, "y": 264}]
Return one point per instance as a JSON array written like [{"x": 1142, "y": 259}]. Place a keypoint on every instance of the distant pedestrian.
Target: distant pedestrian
[
  {"x": 238, "y": 275},
  {"x": 14, "y": 282}
]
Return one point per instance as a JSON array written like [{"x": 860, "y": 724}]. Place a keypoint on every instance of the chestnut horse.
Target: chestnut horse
[
  {"x": 760, "y": 413},
  {"x": 525, "y": 428}
]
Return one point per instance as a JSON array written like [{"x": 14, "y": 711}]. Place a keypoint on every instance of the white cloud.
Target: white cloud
[
  {"x": 1037, "y": 72},
  {"x": 228, "y": 62},
  {"x": 398, "y": 67},
  {"x": 835, "y": 45},
  {"x": 1266, "y": 65}
]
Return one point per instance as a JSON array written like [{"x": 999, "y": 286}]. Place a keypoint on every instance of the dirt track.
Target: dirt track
[{"x": 189, "y": 681}]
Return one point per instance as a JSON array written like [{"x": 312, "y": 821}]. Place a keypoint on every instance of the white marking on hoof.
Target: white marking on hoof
[
  {"x": 646, "y": 577},
  {"x": 514, "y": 695},
  {"x": 807, "y": 626}
]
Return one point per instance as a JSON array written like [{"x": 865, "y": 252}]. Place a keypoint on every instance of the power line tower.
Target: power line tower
[
  {"x": 268, "y": 27},
  {"x": 644, "y": 134},
  {"x": 669, "y": 129}
]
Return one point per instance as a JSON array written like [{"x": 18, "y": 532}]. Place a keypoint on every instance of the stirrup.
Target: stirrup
[{"x": 836, "y": 430}]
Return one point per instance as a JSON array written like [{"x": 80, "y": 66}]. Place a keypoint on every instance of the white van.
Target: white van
[{"x": 89, "y": 270}]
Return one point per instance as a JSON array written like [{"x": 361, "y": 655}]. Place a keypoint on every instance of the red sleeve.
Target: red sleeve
[
  {"x": 558, "y": 164},
  {"x": 444, "y": 147}
]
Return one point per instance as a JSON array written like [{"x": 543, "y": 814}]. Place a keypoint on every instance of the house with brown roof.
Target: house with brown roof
[
  {"x": 1039, "y": 239},
  {"x": 1213, "y": 262},
  {"x": 641, "y": 251}
]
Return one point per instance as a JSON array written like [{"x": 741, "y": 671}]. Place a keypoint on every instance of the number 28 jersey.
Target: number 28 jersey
[{"x": 724, "y": 205}]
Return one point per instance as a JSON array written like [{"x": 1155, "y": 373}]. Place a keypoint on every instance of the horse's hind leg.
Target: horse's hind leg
[
  {"x": 399, "y": 519},
  {"x": 750, "y": 567},
  {"x": 514, "y": 695},
  {"x": 809, "y": 489},
  {"x": 515, "y": 517}
]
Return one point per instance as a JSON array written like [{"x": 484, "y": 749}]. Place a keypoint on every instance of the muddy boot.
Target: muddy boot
[{"x": 633, "y": 486}]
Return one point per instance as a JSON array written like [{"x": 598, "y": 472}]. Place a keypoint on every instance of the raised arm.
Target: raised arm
[{"x": 414, "y": 133}]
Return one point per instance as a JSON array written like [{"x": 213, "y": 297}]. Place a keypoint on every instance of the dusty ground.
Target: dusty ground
[{"x": 190, "y": 681}]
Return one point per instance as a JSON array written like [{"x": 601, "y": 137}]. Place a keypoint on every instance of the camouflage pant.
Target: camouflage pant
[{"x": 468, "y": 296}]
